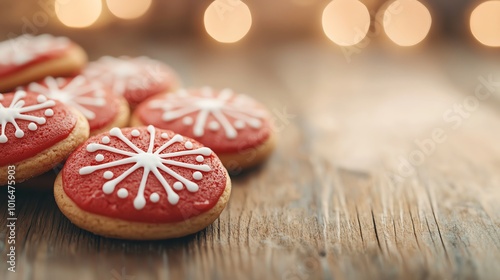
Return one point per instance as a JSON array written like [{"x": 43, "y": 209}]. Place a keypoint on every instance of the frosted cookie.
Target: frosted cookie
[
  {"x": 30, "y": 58},
  {"x": 103, "y": 109},
  {"x": 133, "y": 78},
  {"x": 36, "y": 134},
  {"x": 234, "y": 126},
  {"x": 142, "y": 184}
]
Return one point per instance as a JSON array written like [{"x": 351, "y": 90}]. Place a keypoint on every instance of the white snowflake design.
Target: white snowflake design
[
  {"x": 24, "y": 49},
  {"x": 220, "y": 105},
  {"x": 150, "y": 161},
  {"x": 127, "y": 74},
  {"x": 78, "y": 93},
  {"x": 17, "y": 111}
]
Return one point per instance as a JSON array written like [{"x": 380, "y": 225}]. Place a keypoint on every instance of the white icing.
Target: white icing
[
  {"x": 135, "y": 133},
  {"x": 122, "y": 193},
  {"x": 32, "y": 126},
  {"x": 222, "y": 106},
  {"x": 127, "y": 74},
  {"x": 80, "y": 93},
  {"x": 17, "y": 111},
  {"x": 99, "y": 157},
  {"x": 105, "y": 140},
  {"x": 178, "y": 186},
  {"x": 154, "y": 197},
  {"x": 27, "y": 48},
  {"x": 197, "y": 175},
  {"x": 151, "y": 161},
  {"x": 108, "y": 175},
  {"x": 200, "y": 159},
  {"x": 49, "y": 112},
  {"x": 188, "y": 145}
]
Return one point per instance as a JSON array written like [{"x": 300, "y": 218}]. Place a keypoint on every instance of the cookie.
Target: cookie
[
  {"x": 136, "y": 79},
  {"x": 36, "y": 134},
  {"x": 142, "y": 184},
  {"x": 103, "y": 109},
  {"x": 30, "y": 58},
  {"x": 234, "y": 126}
]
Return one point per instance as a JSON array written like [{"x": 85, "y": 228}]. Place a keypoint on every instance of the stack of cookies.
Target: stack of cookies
[{"x": 143, "y": 158}]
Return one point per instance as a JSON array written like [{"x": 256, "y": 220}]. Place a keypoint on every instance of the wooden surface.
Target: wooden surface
[{"x": 332, "y": 202}]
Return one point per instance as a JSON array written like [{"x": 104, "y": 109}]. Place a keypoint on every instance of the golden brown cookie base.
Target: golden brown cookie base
[
  {"x": 49, "y": 158},
  {"x": 71, "y": 63},
  {"x": 118, "y": 228},
  {"x": 121, "y": 120}
]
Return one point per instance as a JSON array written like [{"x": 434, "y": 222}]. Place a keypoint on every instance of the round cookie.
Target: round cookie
[
  {"x": 136, "y": 79},
  {"x": 30, "y": 58},
  {"x": 234, "y": 126},
  {"x": 142, "y": 184},
  {"x": 103, "y": 109},
  {"x": 36, "y": 134}
]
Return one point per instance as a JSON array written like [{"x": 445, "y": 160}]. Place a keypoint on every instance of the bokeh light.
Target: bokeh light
[
  {"x": 346, "y": 22},
  {"x": 407, "y": 22},
  {"x": 78, "y": 13},
  {"x": 485, "y": 23},
  {"x": 227, "y": 21},
  {"x": 128, "y": 9}
]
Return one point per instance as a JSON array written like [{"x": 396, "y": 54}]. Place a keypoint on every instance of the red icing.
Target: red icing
[
  {"x": 86, "y": 190},
  {"x": 104, "y": 114},
  {"x": 247, "y": 138},
  {"x": 151, "y": 77},
  {"x": 42, "y": 48},
  {"x": 56, "y": 129}
]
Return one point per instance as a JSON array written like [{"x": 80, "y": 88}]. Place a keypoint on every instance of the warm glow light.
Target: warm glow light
[
  {"x": 228, "y": 21},
  {"x": 128, "y": 9},
  {"x": 407, "y": 22},
  {"x": 485, "y": 23},
  {"x": 78, "y": 13},
  {"x": 346, "y": 22}
]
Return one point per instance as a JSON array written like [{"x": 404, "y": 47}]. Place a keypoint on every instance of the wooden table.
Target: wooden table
[{"x": 335, "y": 201}]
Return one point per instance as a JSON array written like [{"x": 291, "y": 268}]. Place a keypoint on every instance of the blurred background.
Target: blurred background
[{"x": 377, "y": 73}]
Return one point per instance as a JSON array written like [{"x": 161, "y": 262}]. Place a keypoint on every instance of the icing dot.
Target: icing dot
[
  {"x": 239, "y": 124},
  {"x": 135, "y": 133},
  {"x": 187, "y": 120},
  {"x": 164, "y": 135},
  {"x": 99, "y": 157},
  {"x": 49, "y": 112},
  {"x": 188, "y": 145},
  {"x": 19, "y": 133},
  {"x": 32, "y": 126},
  {"x": 200, "y": 158},
  {"x": 105, "y": 140},
  {"x": 255, "y": 123},
  {"x": 108, "y": 175},
  {"x": 213, "y": 125},
  {"x": 41, "y": 99},
  {"x": 154, "y": 197},
  {"x": 197, "y": 175},
  {"x": 122, "y": 193},
  {"x": 178, "y": 186}
]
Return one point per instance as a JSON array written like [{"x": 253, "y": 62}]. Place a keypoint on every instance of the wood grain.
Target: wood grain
[{"x": 332, "y": 202}]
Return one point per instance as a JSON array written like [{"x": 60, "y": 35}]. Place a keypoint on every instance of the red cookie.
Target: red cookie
[
  {"x": 36, "y": 134},
  {"x": 29, "y": 58},
  {"x": 234, "y": 126},
  {"x": 103, "y": 109},
  {"x": 142, "y": 183},
  {"x": 134, "y": 78}
]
